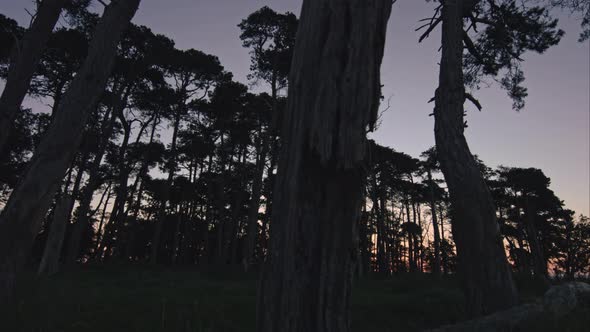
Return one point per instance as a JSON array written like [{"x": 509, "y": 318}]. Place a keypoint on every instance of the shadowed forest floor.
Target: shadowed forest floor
[{"x": 143, "y": 299}]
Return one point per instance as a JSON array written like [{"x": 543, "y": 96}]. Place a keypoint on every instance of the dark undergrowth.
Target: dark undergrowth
[{"x": 147, "y": 299}]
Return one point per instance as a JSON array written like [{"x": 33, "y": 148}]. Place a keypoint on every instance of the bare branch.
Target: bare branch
[
  {"x": 429, "y": 30},
  {"x": 433, "y": 22},
  {"x": 475, "y": 102}
]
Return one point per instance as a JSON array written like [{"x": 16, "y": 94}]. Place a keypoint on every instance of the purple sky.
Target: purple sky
[{"x": 551, "y": 133}]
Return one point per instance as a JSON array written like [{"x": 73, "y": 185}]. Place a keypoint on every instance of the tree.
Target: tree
[
  {"x": 429, "y": 165},
  {"x": 487, "y": 277},
  {"x": 25, "y": 56},
  {"x": 576, "y": 6},
  {"x": 21, "y": 142},
  {"x": 10, "y": 34},
  {"x": 20, "y": 219},
  {"x": 333, "y": 98},
  {"x": 575, "y": 256},
  {"x": 271, "y": 38},
  {"x": 194, "y": 74},
  {"x": 510, "y": 30},
  {"x": 66, "y": 50},
  {"x": 527, "y": 186}
]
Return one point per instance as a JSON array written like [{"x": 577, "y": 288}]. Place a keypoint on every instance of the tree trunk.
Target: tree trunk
[
  {"x": 384, "y": 265},
  {"x": 50, "y": 261},
  {"x": 160, "y": 217},
  {"x": 21, "y": 218},
  {"x": 334, "y": 92},
  {"x": 73, "y": 250},
  {"x": 136, "y": 206},
  {"x": 101, "y": 222},
  {"x": 539, "y": 264},
  {"x": 116, "y": 217},
  {"x": 411, "y": 260},
  {"x": 443, "y": 253},
  {"x": 436, "y": 265},
  {"x": 379, "y": 217},
  {"x": 252, "y": 234},
  {"x": 53, "y": 248},
  {"x": 482, "y": 260},
  {"x": 25, "y": 57}
]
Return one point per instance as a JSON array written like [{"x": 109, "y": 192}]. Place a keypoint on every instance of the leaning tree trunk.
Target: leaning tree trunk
[
  {"x": 334, "y": 92},
  {"x": 83, "y": 219},
  {"x": 25, "y": 56},
  {"x": 482, "y": 261},
  {"x": 50, "y": 261},
  {"x": 21, "y": 218}
]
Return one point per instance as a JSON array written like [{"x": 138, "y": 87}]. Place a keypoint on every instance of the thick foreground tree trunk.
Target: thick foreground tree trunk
[
  {"x": 334, "y": 92},
  {"x": 482, "y": 261},
  {"x": 21, "y": 218},
  {"x": 24, "y": 61}
]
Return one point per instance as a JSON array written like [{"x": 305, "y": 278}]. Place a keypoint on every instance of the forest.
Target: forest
[{"x": 156, "y": 192}]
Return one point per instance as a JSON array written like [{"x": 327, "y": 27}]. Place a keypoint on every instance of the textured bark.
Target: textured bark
[
  {"x": 482, "y": 261},
  {"x": 24, "y": 61},
  {"x": 21, "y": 218},
  {"x": 334, "y": 91},
  {"x": 50, "y": 261}
]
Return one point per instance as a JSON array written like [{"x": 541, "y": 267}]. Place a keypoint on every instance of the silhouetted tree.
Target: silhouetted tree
[
  {"x": 21, "y": 217},
  {"x": 25, "y": 56},
  {"x": 194, "y": 74},
  {"x": 429, "y": 165},
  {"x": 510, "y": 30},
  {"x": 576, "y": 6},
  {"x": 271, "y": 38}
]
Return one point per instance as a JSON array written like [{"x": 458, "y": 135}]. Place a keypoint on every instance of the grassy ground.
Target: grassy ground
[{"x": 140, "y": 299}]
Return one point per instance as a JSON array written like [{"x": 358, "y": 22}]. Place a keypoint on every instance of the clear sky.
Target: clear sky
[{"x": 551, "y": 133}]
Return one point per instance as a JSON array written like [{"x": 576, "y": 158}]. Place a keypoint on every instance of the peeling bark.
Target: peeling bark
[{"x": 334, "y": 91}]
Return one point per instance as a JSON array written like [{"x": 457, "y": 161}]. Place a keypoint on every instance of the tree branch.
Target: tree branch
[
  {"x": 434, "y": 21},
  {"x": 472, "y": 99},
  {"x": 430, "y": 28},
  {"x": 472, "y": 48}
]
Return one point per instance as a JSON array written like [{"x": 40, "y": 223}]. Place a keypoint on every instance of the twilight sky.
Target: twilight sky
[{"x": 551, "y": 133}]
